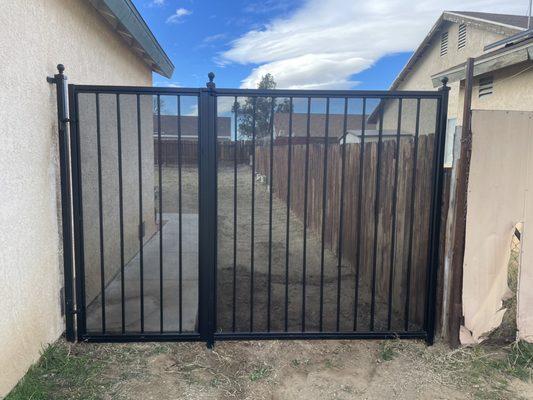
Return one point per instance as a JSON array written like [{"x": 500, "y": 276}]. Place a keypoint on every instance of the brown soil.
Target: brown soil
[
  {"x": 286, "y": 267},
  {"x": 288, "y": 370}
]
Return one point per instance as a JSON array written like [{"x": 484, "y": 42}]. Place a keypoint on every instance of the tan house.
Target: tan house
[
  {"x": 454, "y": 37},
  {"x": 99, "y": 42},
  {"x": 498, "y": 185}
]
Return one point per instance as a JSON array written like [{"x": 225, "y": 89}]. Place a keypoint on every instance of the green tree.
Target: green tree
[{"x": 263, "y": 111}]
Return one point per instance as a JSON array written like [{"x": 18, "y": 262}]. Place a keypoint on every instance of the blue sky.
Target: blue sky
[{"x": 333, "y": 44}]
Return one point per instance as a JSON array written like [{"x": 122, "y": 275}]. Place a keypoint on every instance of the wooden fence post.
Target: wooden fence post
[{"x": 463, "y": 167}]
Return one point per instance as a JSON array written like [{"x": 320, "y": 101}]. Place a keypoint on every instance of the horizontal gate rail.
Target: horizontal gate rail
[{"x": 348, "y": 208}]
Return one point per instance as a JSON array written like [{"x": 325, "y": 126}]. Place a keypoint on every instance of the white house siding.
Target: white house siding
[{"x": 34, "y": 37}]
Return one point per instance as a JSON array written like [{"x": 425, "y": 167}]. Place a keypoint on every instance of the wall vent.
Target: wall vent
[
  {"x": 444, "y": 44},
  {"x": 461, "y": 42},
  {"x": 486, "y": 86}
]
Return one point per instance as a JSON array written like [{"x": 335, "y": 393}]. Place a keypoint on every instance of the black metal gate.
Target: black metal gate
[{"x": 214, "y": 214}]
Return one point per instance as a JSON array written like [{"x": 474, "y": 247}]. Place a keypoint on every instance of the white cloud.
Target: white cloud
[
  {"x": 168, "y": 84},
  {"x": 177, "y": 17},
  {"x": 157, "y": 3},
  {"x": 325, "y": 42},
  {"x": 214, "y": 38}
]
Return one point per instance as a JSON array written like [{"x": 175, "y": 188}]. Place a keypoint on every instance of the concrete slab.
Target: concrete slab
[{"x": 151, "y": 284}]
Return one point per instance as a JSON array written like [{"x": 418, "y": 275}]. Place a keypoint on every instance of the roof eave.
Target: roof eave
[
  {"x": 489, "y": 62},
  {"x": 129, "y": 24}
]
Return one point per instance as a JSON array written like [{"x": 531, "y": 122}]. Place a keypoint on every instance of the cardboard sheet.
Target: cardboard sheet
[{"x": 500, "y": 195}]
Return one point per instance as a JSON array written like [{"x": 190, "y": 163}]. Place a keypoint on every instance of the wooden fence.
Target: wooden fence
[
  {"x": 367, "y": 198},
  {"x": 189, "y": 151}
]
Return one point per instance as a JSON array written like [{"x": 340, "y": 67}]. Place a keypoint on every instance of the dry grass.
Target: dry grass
[{"x": 279, "y": 370}]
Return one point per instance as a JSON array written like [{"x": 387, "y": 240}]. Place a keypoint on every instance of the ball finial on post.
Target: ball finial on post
[
  {"x": 61, "y": 68},
  {"x": 211, "y": 84}
]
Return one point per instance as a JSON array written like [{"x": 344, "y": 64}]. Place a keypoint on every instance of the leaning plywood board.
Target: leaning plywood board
[{"x": 501, "y": 173}]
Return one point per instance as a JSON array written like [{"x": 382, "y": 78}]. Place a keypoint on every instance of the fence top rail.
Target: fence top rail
[
  {"x": 379, "y": 94},
  {"x": 149, "y": 90}
]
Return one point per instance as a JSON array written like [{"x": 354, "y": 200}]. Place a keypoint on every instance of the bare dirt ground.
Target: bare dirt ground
[
  {"x": 286, "y": 273},
  {"x": 286, "y": 370}
]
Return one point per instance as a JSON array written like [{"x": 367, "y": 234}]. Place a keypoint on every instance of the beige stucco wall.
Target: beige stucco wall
[
  {"x": 512, "y": 90},
  {"x": 110, "y": 184},
  {"x": 34, "y": 37},
  {"x": 432, "y": 62}
]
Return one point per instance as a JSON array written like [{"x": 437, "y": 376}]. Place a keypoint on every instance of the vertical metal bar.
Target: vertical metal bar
[
  {"x": 160, "y": 173},
  {"x": 287, "y": 222},
  {"x": 412, "y": 217},
  {"x": 207, "y": 213},
  {"x": 394, "y": 201},
  {"x": 234, "y": 291},
  {"x": 214, "y": 119},
  {"x": 141, "y": 233},
  {"x": 271, "y": 184},
  {"x": 376, "y": 216},
  {"x": 359, "y": 215},
  {"x": 341, "y": 211},
  {"x": 77, "y": 209},
  {"x": 252, "y": 227},
  {"x": 100, "y": 212},
  {"x": 306, "y": 183},
  {"x": 180, "y": 220},
  {"x": 121, "y": 217},
  {"x": 324, "y": 209},
  {"x": 66, "y": 210},
  {"x": 436, "y": 208}
]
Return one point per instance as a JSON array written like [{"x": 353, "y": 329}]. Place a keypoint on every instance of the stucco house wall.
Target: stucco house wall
[
  {"x": 432, "y": 62},
  {"x": 34, "y": 37},
  {"x": 110, "y": 184},
  {"x": 511, "y": 90}
]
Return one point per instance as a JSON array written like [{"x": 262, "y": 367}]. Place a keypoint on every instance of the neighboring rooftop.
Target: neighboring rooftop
[
  {"x": 317, "y": 126},
  {"x": 189, "y": 126},
  {"x": 126, "y": 20}
]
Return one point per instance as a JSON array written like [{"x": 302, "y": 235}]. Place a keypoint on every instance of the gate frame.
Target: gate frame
[{"x": 72, "y": 210}]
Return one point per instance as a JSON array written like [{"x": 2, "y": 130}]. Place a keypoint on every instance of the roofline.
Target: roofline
[
  {"x": 487, "y": 21},
  {"x": 128, "y": 23},
  {"x": 419, "y": 51},
  {"x": 497, "y": 59}
]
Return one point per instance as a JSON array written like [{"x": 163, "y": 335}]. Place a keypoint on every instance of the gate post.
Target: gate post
[
  {"x": 436, "y": 205},
  {"x": 60, "y": 80},
  {"x": 208, "y": 212}
]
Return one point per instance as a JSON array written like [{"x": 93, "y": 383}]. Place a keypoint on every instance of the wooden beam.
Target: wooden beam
[{"x": 463, "y": 167}]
